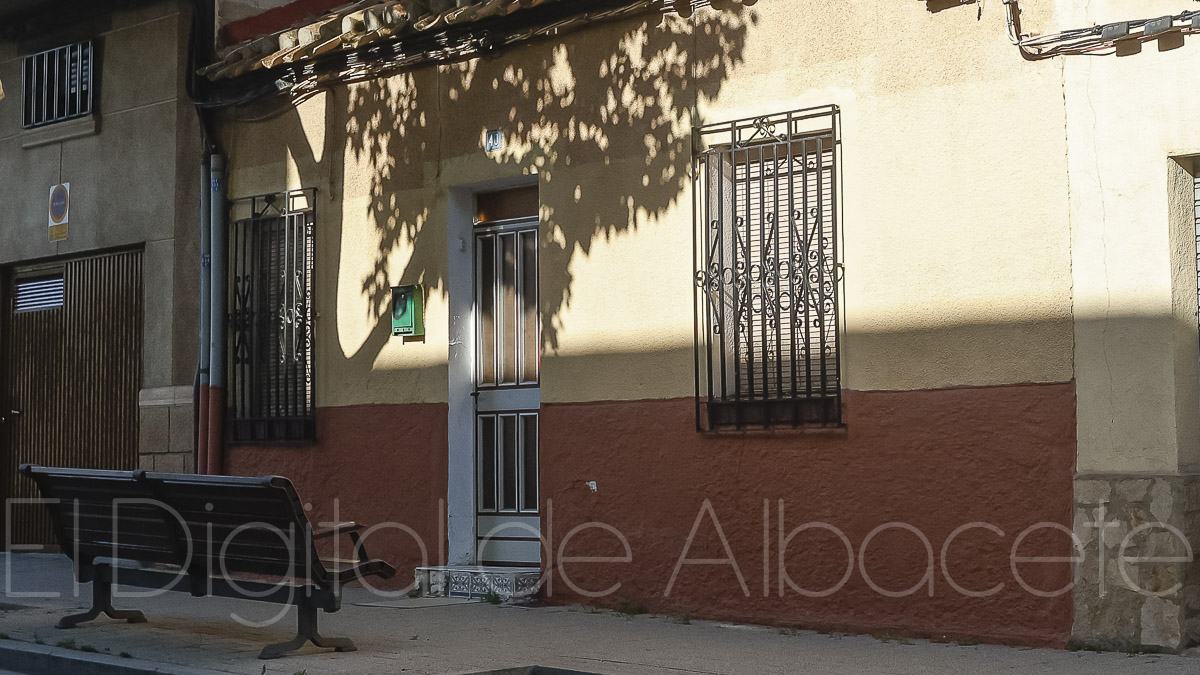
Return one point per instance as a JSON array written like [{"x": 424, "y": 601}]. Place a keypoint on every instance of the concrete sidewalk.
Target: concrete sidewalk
[{"x": 447, "y": 636}]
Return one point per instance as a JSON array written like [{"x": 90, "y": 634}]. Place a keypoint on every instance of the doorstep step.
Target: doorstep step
[{"x": 508, "y": 585}]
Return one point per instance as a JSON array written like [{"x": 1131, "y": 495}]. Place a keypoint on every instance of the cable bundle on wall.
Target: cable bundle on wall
[
  {"x": 1099, "y": 40},
  {"x": 686, "y": 8}
]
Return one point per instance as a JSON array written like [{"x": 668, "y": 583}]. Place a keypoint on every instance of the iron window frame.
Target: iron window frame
[
  {"x": 32, "y": 84},
  {"x": 718, "y": 406},
  {"x": 266, "y": 428}
]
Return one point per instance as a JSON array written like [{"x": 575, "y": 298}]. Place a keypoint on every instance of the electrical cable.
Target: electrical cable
[{"x": 1090, "y": 41}]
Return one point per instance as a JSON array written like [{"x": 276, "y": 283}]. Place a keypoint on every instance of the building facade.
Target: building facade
[
  {"x": 100, "y": 154},
  {"x": 870, "y": 316}
]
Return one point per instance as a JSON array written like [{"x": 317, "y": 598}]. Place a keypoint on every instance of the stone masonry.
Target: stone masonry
[
  {"x": 165, "y": 432},
  {"x": 1137, "y": 586}
]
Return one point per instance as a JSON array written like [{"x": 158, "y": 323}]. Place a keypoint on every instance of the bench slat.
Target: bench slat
[{"x": 233, "y": 523}]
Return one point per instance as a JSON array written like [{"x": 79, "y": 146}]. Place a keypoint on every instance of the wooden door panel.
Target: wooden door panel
[{"x": 73, "y": 370}]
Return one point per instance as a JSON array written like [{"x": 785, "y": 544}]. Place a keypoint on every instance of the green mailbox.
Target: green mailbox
[{"x": 408, "y": 310}]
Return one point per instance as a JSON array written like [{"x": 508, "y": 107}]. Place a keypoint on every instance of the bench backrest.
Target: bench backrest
[
  {"x": 206, "y": 524},
  {"x": 83, "y": 515},
  {"x": 254, "y": 525}
]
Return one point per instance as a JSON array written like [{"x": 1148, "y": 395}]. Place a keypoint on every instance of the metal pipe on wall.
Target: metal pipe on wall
[
  {"x": 201, "y": 455},
  {"x": 217, "y": 301}
]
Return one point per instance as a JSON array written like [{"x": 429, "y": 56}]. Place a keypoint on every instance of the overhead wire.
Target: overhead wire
[
  {"x": 1092, "y": 41},
  {"x": 299, "y": 82}
]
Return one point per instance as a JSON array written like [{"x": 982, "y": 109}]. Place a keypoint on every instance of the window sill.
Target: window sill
[
  {"x": 767, "y": 415},
  {"x": 298, "y": 432},
  {"x": 840, "y": 431},
  {"x": 61, "y": 131},
  {"x": 305, "y": 444}
]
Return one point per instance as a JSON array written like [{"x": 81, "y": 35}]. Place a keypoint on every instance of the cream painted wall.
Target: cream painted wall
[
  {"x": 957, "y": 255},
  {"x": 1134, "y": 247},
  {"x": 957, "y": 245}
]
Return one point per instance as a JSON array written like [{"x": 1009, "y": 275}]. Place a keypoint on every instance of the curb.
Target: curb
[{"x": 31, "y": 659}]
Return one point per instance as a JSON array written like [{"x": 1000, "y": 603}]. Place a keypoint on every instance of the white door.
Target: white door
[{"x": 507, "y": 398}]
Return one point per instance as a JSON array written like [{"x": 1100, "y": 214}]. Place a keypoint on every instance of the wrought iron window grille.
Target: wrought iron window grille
[
  {"x": 271, "y": 256},
  {"x": 768, "y": 273},
  {"x": 58, "y": 84}
]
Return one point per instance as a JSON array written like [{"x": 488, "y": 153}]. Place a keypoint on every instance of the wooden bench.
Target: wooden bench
[{"x": 199, "y": 534}]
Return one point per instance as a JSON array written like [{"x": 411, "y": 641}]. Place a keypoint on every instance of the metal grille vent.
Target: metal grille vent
[
  {"x": 32, "y": 295},
  {"x": 58, "y": 84},
  {"x": 768, "y": 272}
]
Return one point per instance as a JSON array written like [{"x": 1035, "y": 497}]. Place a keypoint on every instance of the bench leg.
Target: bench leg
[
  {"x": 101, "y": 604},
  {"x": 307, "y": 632}
]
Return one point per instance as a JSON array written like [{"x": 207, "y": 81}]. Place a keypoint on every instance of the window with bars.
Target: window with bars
[
  {"x": 270, "y": 389},
  {"x": 58, "y": 84},
  {"x": 768, "y": 272}
]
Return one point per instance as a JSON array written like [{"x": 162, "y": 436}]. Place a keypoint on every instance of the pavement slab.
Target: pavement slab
[{"x": 439, "y": 636}]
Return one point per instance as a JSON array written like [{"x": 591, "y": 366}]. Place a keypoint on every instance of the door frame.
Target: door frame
[
  {"x": 460, "y": 284},
  {"x": 505, "y": 537}
]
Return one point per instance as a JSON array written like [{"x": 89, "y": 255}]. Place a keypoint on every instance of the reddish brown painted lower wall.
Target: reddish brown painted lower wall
[
  {"x": 381, "y": 463},
  {"x": 936, "y": 460}
]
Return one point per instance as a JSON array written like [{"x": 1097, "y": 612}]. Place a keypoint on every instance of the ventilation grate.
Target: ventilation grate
[{"x": 38, "y": 294}]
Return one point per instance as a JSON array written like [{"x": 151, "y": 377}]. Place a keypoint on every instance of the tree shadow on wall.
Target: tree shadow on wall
[{"x": 604, "y": 119}]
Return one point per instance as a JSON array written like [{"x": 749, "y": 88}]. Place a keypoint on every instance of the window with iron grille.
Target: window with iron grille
[
  {"x": 58, "y": 84},
  {"x": 270, "y": 387},
  {"x": 768, "y": 272}
]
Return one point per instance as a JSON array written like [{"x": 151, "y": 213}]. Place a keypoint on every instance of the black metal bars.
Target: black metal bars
[
  {"x": 271, "y": 325},
  {"x": 767, "y": 308},
  {"x": 57, "y": 84}
]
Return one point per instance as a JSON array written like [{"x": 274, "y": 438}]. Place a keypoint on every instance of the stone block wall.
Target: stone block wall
[
  {"x": 1137, "y": 581},
  {"x": 165, "y": 441}
]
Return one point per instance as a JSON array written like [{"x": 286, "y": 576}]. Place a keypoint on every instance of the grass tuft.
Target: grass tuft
[{"x": 630, "y": 609}]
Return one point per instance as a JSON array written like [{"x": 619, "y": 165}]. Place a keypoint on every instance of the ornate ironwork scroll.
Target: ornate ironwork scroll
[
  {"x": 767, "y": 271},
  {"x": 271, "y": 326}
]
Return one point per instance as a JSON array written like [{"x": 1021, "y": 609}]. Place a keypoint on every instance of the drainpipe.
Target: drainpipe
[
  {"x": 216, "y": 334},
  {"x": 201, "y": 458}
]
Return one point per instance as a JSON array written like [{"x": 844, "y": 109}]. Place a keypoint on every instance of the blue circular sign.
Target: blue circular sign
[{"x": 58, "y": 203}]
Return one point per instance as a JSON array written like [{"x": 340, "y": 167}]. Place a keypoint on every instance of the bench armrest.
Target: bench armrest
[
  {"x": 350, "y": 528},
  {"x": 335, "y": 529}
]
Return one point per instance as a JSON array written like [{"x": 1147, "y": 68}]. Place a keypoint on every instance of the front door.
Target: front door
[
  {"x": 508, "y": 360},
  {"x": 72, "y": 365}
]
